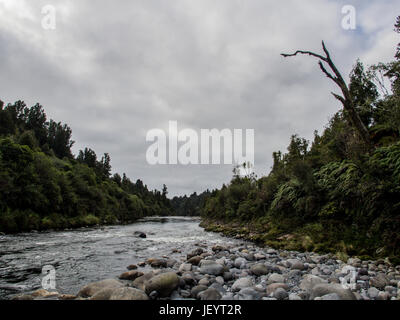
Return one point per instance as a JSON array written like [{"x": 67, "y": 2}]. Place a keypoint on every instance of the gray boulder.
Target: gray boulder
[
  {"x": 326, "y": 288},
  {"x": 163, "y": 283},
  {"x": 211, "y": 267},
  {"x": 209, "y": 294},
  {"x": 92, "y": 288},
  {"x": 242, "y": 283},
  {"x": 128, "y": 294}
]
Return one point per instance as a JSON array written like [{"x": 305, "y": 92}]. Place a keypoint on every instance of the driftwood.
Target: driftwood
[{"x": 346, "y": 100}]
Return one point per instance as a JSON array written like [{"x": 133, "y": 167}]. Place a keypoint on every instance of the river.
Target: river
[{"x": 86, "y": 255}]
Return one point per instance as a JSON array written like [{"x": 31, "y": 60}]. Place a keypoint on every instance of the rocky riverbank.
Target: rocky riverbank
[{"x": 245, "y": 272}]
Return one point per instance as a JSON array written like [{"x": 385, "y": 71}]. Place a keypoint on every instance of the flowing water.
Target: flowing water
[{"x": 87, "y": 255}]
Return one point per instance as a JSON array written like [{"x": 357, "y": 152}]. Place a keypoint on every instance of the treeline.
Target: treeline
[
  {"x": 189, "y": 206},
  {"x": 336, "y": 193},
  {"x": 43, "y": 186}
]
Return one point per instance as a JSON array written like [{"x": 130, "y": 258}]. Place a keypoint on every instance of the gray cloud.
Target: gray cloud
[{"x": 114, "y": 70}]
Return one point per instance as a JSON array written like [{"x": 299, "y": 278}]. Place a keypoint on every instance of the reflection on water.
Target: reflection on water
[{"x": 87, "y": 255}]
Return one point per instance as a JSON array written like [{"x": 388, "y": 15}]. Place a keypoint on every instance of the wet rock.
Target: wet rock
[
  {"x": 163, "y": 283},
  {"x": 132, "y": 267},
  {"x": 139, "y": 234},
  {"x": 22, "y": 297},
  {"x": 157, "y": 263},
  {"x": 128, "y": 294},
  {"x": 326, "y": 288},
  {"x": 130, "y": 275},
  {"x": 94, "y": 287},
  {"x": 42, "y": 293},
  {"x": 209, "y": 294}
]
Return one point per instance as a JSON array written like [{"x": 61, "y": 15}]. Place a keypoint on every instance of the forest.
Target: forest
[
  {"x": 338, "y": 193},
  {"x": 44, "y": 186}
]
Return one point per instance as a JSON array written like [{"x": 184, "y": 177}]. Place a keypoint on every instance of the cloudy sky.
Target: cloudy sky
[{"x": 113, "y": 70}]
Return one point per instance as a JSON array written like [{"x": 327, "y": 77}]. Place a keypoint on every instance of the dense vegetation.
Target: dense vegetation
[
  {"x": 191, "y": 206},
  {"x": 43, "y": 186},
  {"x": 336, "y": 194}
]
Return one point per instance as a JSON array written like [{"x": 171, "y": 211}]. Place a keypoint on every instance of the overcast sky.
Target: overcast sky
[{"x": 113, "y": 70}]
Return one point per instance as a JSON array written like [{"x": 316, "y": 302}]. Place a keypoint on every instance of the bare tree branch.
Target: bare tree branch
[{"x": 346, "y": 100}]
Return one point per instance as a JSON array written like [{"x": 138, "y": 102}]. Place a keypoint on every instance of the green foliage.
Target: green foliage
[
  {"x": 43, "y": 187},
  {"x": 336, "y": 195}
]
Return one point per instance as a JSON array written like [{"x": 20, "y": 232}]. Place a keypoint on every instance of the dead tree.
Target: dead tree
[{"x": 346, "y": 100}]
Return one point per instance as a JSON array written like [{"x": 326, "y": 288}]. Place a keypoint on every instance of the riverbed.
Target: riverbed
[{"x": 87, "y": 255}]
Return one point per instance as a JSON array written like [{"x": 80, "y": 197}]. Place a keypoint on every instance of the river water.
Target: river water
[{"x": 86, "y": 255}]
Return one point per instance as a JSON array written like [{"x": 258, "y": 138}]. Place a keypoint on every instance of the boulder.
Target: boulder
[
  {"x": 242, "y": 283},
  {"x": 248, "y": 294},
  {"x": 94, "y": 287},
  {"x": 330, "y": 296},
  {"x": 239, "y": 262},
  {"x": 130, "y": 275},
  {"x": 194, "y": 253},
  {"x": 276, "y": 278},
  {"x": 42, "y": 293},
  {"x": 197, "y": 289},
  {"x": 139, "y": 234},
  {"x": 280, "y": 294},
  {"x": 326, "y": 288},
  {"x": 157, "y": 263},
  {"x": 272, "y": 287},
  {"x": 132, "y": 267},
  {"x": 211, "y": 267},
  {"x": 259, "y": 269},
  {"x": 140, "y": 282},
  {"x": 310, "y": 281},
  {"x": 195, "y": 260},
  {"x": 295, "y": 264},
  {"x": 380, "y": 281},
  {"x": 128, "y": 294},
  {"x": 209, "y": 294},
  {"x": 163, "y": 283},
  {"x": 185, "y": 267}
]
